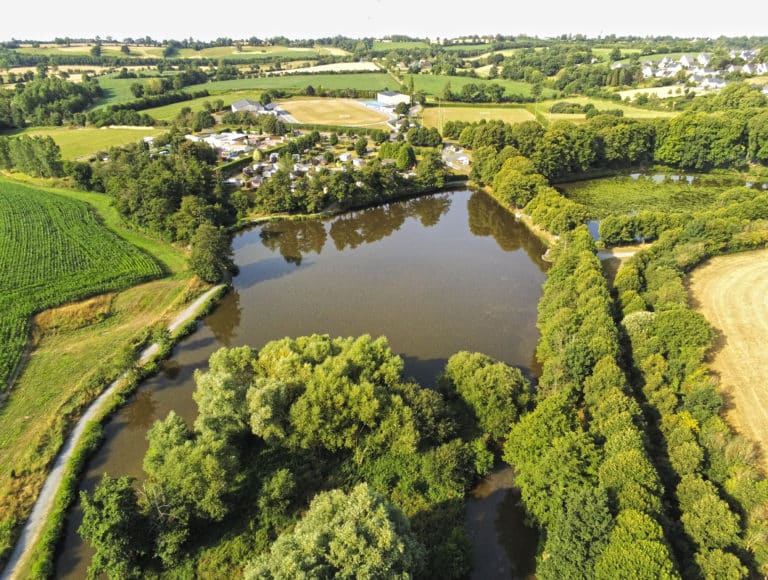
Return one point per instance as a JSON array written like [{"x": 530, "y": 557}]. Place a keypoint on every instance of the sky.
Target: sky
[{"x": 166, "y": 19}]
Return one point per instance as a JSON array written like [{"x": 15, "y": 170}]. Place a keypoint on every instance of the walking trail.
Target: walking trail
[{"x": 44, "y": 503}]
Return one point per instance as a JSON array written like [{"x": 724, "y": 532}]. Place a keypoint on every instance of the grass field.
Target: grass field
[
  {"x": 333, "y": 112},
  {"x": 435, "y": 84},
  {"x": 361, "y": 81},
  {"x": 622, "y": 195},
  {"x": 383, "y": 45},
  {"x": 732, "y": 293},
  {"x": 79, "y": 142},
  {"x": 433, "y": 116},
  {"x": 601, "y": 104},
  {"x": 169, "y": 112},
  {"x": 661, "y": 92},
  {"x": 54, "y": 250}
]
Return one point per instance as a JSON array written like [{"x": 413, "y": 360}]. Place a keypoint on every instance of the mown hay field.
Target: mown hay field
[
  {"x": 732, "y": 293},
  {"x": 333, "y": 112},
  {"x": 436, "y": 116}
]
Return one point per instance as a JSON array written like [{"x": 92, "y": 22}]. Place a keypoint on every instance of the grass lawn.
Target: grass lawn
[
  {"x": 433, "y": 116},
  {"x": 333, "y": 112},
  {"x": 622, "y": 195},
  {"x": 83, "y": 141}
]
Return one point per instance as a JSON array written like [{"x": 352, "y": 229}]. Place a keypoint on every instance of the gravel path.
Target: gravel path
[{"x": 44, "y": 502}]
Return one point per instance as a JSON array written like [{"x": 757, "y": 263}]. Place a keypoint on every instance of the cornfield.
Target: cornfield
[{"x": 54, "y": 250}]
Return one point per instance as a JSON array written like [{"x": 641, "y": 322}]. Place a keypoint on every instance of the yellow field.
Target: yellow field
[
  {"x": 732, "y": 293},
  {"x": 333, "y": 112},
  {"x": 433, "y": 116}
]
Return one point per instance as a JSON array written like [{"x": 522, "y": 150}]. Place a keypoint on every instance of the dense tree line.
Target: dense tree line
[
  {"x": 46, "y": 101},
  {"x": 281, "y": 426},
  {"x": 693, "y": 140},
  {"x": 36, "y": 156},
  {"x": 715, "y": 489},
  {"x": 581, "y": 455},
  {"x": 349, "y": 188},
  {"x": 168, "y": 195}
]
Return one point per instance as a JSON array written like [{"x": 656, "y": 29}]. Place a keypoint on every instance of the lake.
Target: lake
[{"x": 435, "y": 275}]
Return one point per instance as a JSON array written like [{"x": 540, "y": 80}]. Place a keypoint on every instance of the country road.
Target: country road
[{"x": 42, "y": 507}]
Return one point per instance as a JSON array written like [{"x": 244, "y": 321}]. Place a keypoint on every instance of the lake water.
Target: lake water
[{"x": 437, "y": 274}]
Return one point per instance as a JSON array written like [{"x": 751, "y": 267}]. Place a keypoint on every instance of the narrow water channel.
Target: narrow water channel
[{"x": 438, "y": 274}]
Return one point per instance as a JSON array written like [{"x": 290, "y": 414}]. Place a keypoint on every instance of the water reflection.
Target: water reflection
[
  {"x": 225, "y": 320},
  {"x": 294, "y": 239},
  {"x": 141, "y": 412},
  {"x": 488, "y": 218}
]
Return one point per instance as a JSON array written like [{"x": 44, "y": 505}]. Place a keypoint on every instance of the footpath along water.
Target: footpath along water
[{"x": 435, "y": 275}]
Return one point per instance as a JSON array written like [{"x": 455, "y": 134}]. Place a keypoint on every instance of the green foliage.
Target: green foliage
[
  {"x": 113, "y": 525},
  {"x": 353, "y": 535},
  {"x": 211, "y": 257},
  {"x": 554, "y": 212},
  {"x": 35, "y": 156},
  {"x": 636, "y": 549},
  {"x": 54, "y": 250},
  {"x": 497, "y": 393}
]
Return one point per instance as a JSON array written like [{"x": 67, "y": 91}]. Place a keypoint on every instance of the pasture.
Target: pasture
[
  {"x": 333, "y": 112},
  {"x": 77, "y": 142},
  {"x": 54, "y": 250},
  {"x": 436, "y": 116},
  {"x": 730, "y": 291}
]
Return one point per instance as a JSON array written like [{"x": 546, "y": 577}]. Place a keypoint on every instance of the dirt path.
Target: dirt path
[
  {"x": 40, "y": 511},
  {"x": 732, "y": 293}
]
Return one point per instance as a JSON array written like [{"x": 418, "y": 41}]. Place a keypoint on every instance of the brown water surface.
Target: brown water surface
[{"x": 438, "y": 274}]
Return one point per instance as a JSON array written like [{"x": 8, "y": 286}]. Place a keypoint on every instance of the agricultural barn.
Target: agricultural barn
[
  {"x": 391, "y": 99},
  {"x": 246, "y": 105}
]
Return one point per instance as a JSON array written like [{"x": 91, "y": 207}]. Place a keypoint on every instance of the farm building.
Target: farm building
[
  {"x": 246, "y": 105},
  {"x": 392, "y": 99}
]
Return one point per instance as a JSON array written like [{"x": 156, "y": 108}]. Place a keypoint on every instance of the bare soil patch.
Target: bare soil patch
[{"x": 732, "y": 293}]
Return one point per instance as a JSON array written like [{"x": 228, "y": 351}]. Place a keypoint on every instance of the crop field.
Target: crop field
[
  {"x": 732, "y": 294},
  {"x": 435, "y": 116},
  {"x": 340, "y": 67},
  {"x": 360, "y": 81},
  {"x": 54, "y": 250},
  {"x": 80, "y": 142},
  {"x": 662, "y": 92},
  {"x": 622, "y": 195},
  {"x": 333, "y": 112}
]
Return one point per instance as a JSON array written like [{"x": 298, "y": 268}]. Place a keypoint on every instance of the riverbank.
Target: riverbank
[{"x": 46, "y": 519}]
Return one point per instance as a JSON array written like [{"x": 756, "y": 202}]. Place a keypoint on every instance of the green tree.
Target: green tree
[
  {"x": 211, "y": 257},
  {"x": 355, "y": 535},
  {"x": 361, "y": 146},
  {"x": 496, "y": 392},
  {"x": 115, "y": 528},
  {"x": 406, "y": 157}
]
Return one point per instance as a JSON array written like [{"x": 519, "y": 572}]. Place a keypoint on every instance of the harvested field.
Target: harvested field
[
  {"x": 732, "y": 293},
  {"x": 333, "y": 112},
  {"x": 333, "y": 67}
]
